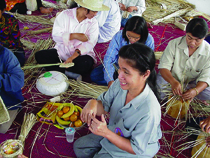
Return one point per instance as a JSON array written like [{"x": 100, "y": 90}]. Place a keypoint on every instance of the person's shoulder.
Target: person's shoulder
[
  {"x": 207, "y": 46},
  {"x": 8, "y": 16},
  {"x": 68, "y": 12},
  {"x": 5, "y": 53}
]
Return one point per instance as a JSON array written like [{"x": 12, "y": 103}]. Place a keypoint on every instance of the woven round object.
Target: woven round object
[
  {"x": 52, "y": 83},
  {"x": 11, "y": 148}
]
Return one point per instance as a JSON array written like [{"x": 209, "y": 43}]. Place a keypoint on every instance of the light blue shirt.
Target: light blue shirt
[
  {"x": 111, "y": 56},
  {"x": 138, "y": 121},
  {"x": 109, "y": 21}
]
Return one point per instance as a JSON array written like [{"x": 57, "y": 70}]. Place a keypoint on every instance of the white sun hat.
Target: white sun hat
[{"x": 94, "y": 5}]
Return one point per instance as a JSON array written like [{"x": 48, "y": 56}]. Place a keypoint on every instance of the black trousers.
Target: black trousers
[
  {"x": 82, "y": 64},
  {"x": 22, "y": 9}
]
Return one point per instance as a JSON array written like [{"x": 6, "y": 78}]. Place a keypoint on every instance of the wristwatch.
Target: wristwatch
[{"x": 78, "y": 51}]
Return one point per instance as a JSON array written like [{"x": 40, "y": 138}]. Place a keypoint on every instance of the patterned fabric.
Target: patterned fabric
[
  {"x": 11, "y": 3},
  {"x": 9, "y": 32}
]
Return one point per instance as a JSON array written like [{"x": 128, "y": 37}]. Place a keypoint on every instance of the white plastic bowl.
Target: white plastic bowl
[{"x": 52, "y": 83}]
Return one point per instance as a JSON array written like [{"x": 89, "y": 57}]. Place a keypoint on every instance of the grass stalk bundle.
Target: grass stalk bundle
[
  {"x": 39, "y": 31},
  {"x": 86, "y": 90},
  {"x": 28, "y": 44},
  {"x": 55, "y": 6},
  {"x": 11, "y": 148},
  {"x": 39, "y": 66},
  {"x": 159, "y": 9},
  {"x": 32, "y": 18},
  {"x": 28, "y": 122}
]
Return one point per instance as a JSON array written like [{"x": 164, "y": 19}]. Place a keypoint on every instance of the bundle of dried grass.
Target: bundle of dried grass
[
  {"x": 28, "y": 122},
  {"x": 12, "y": 147},
  {"x": 33, "y": 32},
  {"x": 59, "y": 5},
  {"x": 86, "y": 90},
  {"x": 158, "y": 9},
  {"x": 32, "y": 18},
  {"x": 28, "y": 44}
]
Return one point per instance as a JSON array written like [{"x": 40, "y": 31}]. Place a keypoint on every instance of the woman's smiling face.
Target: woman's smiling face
[{"x": 129, "y": 77}]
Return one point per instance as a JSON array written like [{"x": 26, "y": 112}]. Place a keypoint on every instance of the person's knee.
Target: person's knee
[{"x": 77, "y": 146}]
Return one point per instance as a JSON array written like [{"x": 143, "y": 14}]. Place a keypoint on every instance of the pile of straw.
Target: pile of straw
[
  {"x": 86, "y": 90},
  {"x": 33, "y": 32},
  {"x": 158, "y": 9},
  {"x": 32, "y": 18},
  {"x": 40, "y": 45}
]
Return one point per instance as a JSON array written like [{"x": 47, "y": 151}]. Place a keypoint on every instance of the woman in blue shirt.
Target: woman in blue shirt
[
  {"x": 135, "y": 113},
  {"x": 135, "y": 31}
]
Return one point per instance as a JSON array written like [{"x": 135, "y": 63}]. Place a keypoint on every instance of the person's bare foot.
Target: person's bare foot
[{"x": 44, "y": 10}]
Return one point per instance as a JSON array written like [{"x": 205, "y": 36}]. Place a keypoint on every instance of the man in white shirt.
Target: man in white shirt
[
  {"x": 109, "y": 21},
  {"x": 187, "y": 59}
]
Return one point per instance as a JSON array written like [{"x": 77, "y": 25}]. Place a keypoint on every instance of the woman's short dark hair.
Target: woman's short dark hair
[
  {"x": 138, "y": 25},
  {"x": 142, "y": 58},
  {"x": 197, "y": 27},
  {"x": 2, "y": 5}
]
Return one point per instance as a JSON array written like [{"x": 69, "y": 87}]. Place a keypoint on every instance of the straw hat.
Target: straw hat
[{"x": 94, "y": 5}]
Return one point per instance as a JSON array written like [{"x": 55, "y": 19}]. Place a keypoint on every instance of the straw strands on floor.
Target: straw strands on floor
[
  {"x": 28, "y": 44},
  {"x": 32, "y": 18},
  {"x": 158, "y": 9},
  {"x": 40, "y": 45},
  {"x": 59, "y": 5},
  {"x": 33, "y": 32},
  {"x": 86, "y": 90},
  {"x": 200, "y": 146}
]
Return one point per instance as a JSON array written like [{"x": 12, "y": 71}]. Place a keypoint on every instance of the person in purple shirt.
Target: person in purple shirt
[{"x": 135, "y": 31}]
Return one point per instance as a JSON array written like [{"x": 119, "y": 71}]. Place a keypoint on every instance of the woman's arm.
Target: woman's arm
[
  {"x": 175, "y": 85},
  {"x": 79, "y": 36},
  {"x": 191, "y": 93}
]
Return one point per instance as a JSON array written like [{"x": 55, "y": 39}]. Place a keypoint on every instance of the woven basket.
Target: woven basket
[
  {"x": 179, "y": 108},
  {"x": 205, "y": 153},
  {"x": 9, "y": 142}
]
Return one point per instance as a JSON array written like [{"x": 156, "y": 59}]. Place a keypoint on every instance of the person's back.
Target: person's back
[{"x": 109, "y": 21}]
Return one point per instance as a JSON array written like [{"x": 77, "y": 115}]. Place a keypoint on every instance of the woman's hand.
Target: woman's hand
[
  {"x": 189, "y": 94},
  {"x": 131, "y": 8},
  {"x": 69, "y": 60},
  {"x": 90, "y": 110},
  {"x": 98, "y": 127},
  {"x": 176, "y": 88},
  {"x": 205, "y": 125},
  {"x": 122, "y": 7}
]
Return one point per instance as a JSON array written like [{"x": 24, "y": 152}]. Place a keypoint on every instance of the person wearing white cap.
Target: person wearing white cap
[{"x": 75, "y": 32}]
